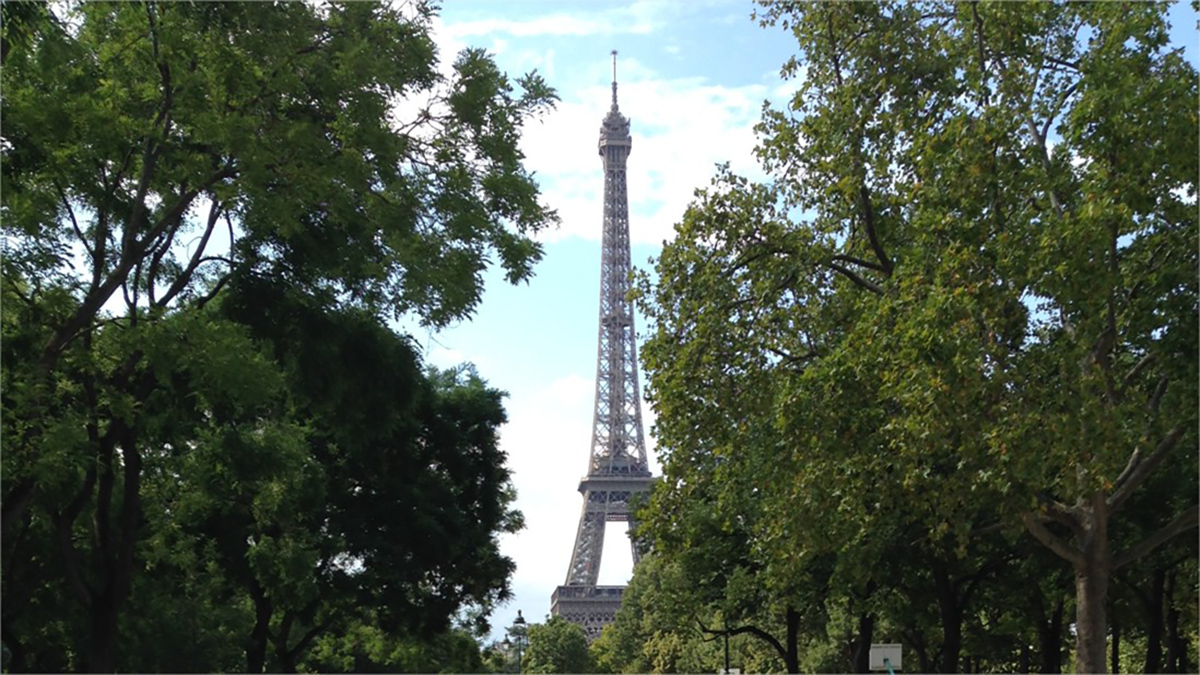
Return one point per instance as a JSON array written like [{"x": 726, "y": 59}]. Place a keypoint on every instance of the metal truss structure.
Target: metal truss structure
[{"x": 617, "y": 466}]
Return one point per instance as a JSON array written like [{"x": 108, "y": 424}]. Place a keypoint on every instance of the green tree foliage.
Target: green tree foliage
[
  {"x": 965, "y": 307},
  {"x": 664, "y": 626},
  {"x": 557, "y": 646},
  {"x": 160, "y": 156},
  {"x": 417, "y": 545},
  {"x": 364, "y": 648}
]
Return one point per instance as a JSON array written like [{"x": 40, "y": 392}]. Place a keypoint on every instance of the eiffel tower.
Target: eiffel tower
[{"x": 617, "y": 467}]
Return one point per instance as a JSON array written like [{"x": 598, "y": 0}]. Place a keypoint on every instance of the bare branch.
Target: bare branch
[
  {"x": 858, "y": 261},
  {"x": 1137, "y": 370},
  {"x": 792, "y": 358},
  {"x": 1136, "y": 470},
  {"x": 1060, "y": 62},
  {"x": 75, "y": 223},
  {"x": 1061, "y": 513},
  {"x": 1185, "y": 521},
  {"x": 66, "y": 550},
  {"x": 214, "y": 213},
  {"x": 747, "y": 630},
  {"x": 206, "y": 298},
  {"x": 85, "y": 313},
  {"x": 1156, "y": 397},
  {"x": 160, "y": 247},
  {"x": 868, "y": 209},
  {"x": 858, "y": 281},
  {"x": 1052, "y": 114},
  {"x": 977, "y": 22},
  {"x": 1051, "y": 541}
]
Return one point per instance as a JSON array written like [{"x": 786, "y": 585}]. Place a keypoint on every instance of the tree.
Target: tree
[
  {"x": 364, "y": 648},
  {"x": 152, "y": 151},
  {"x": 969, "y": 288},
  {"x": 373, "y": 416},
  {"x": 557, "y": 646}
]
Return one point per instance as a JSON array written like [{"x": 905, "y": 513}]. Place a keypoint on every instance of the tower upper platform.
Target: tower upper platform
[{"x": 614, "y": 130}]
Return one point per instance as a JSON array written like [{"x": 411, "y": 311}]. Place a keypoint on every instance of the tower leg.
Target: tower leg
[
  {"x": 589, "y": 543},
  {"x": 633, "y": 542}
]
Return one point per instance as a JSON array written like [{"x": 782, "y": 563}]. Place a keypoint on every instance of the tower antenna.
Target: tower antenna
[{"x": 614, "y": 55}]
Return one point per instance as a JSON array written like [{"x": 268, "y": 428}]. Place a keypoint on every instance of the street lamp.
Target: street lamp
[{"x": 518, "y": 635}]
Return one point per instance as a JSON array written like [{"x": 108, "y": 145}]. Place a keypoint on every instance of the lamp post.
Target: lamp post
[
  {"x": 726, "y": 671},
  {"x": 518, "y": 635}
]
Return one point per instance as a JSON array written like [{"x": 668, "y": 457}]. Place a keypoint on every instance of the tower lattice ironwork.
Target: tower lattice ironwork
[{"x": 617, "y": 466}]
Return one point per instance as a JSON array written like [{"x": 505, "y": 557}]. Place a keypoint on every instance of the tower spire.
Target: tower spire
[{"x": 614, "y": 103}]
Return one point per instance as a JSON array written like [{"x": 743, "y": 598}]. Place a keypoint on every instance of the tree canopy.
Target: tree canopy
[
  {"x": 963, "y": 307},
  {"x": 211, "y": 210},
  {"x": 556, "y": 646}
]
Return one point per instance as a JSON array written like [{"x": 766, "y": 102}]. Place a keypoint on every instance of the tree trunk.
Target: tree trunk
[
  {"x": 115, "y": 553},
  {"x": 16, "y": 650},
  {"x": 923, "y": 657},
  {"x": 1116, "y": 646},
  {"x": 1023, "y": 663},
  {"x": 256, "y": 648},
  {"x": 1092, "y": 573},
  {"x": 285, "y": 657},
  {"x": 1175, "y": 644},
  {"x": 862, "y": 646},
  {"x": 1154, "y": 623},
  {"x": 101, "y": 655},
  {"x": 951, "y": 616},
  {"x": 1050, "y": 640}
]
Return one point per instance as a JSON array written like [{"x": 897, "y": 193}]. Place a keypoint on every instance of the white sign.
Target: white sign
[{"x": 890, "y": 652}]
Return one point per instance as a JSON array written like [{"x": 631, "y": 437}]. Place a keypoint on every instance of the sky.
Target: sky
[{"x": 693, "y": 76}]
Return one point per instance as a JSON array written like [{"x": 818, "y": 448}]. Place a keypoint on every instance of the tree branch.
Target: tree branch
[
  {"x": 1060, "y": 512},
  {"x": 79, "y": 586},
  {"x": 1137, "y": 369},
  {"x": 858, "y": 281},
  {"x": 1039, "y": 140},
  {"x": 1156, "y": 397},
  {"x": 864, "y": 197},
  {"x": 1185, "y": 521},
  {"x": 75, "y": 223},
  {"x": 207, "y": 297},
  {"x": 747, "y": 630},
  {"x": 1051, "y": 541},
  {"x": 858, "y": 261},
  {"x": 792, "y": 358},
  {"x": 214, "y": 213},
  {"x": 983, "y": 66},
  {"x": 96, "y": 297},
  {"x": 17, "y": 501},
  {"x": 311, "y": 635},
  {"x": 1137, "y": 469}
]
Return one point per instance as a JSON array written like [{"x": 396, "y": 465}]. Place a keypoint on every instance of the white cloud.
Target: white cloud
[
  {"x": 681, "y": 130},
  {"x": 682, "y": 127},
  {"x": 547, "y": 440}
]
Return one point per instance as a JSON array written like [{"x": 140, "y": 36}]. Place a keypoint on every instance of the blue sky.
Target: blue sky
[
  {"x": 692, "y": 78},
  {"x": 693, "y": 75}
]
